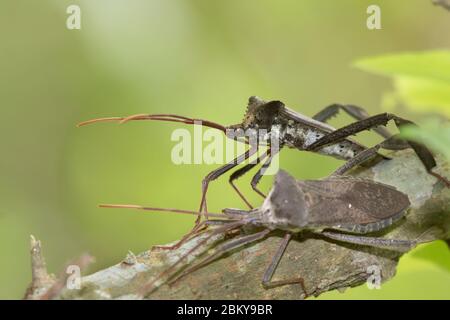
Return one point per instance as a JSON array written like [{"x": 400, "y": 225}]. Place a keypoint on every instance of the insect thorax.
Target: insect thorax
[{"x": 285, "y": 206}]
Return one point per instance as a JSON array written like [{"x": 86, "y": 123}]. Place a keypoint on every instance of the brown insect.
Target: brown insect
[{"x": 341, "y": 208}]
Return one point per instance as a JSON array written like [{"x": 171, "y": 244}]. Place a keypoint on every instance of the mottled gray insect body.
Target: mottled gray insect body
[
  {"x": 293, "y": 129},
  {"x": 285, "y": 207}
]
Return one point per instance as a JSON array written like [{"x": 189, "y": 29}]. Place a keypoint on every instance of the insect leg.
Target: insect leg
[
  {"x": 257, "y": 177},
  {"x": 394, "y": 244},
  {"x": 425, "y": 155},
  {"x": 268, "y": 274},
  {"x": 352, "y": 129},
  {"x": 235, "y": 212},
  {"x": 367, "y": 155},
  {"x": 156, "y": 282},
  {"x": 240, "y": 172},
  {"x": 225, "y": 217},
  {"x": 224, "y": 248},
  {"x": 213, "y": 175},
  {"x": 193, "y": 233},
  {"x": 259, "y": 174},
  {"x": 354, "y": 111},
  {"x": 360, "y": 158}
]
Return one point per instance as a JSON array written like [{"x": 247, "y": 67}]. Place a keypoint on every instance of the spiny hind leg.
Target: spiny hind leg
[
  {"x": 356, "y": 112},
  {"x": 199, "y": 228},
  {"x": 156, "y": 282},
  {"x": 366, "y": 155},
  {"x": 223, "y": 249},
  {"x": 424, "y": 154}
]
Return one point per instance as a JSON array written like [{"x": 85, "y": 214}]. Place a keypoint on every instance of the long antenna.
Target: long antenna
[
  {"x": 157, "y": 117},
  {"x": 138, "y": 207}
]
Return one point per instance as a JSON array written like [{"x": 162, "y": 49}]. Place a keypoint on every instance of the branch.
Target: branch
[{"x": 325, "y": 265}]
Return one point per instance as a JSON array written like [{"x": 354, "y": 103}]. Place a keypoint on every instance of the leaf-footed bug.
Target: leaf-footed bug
[
  {"x": 300, "y": 132},
  {"x": 341, "y": 208}
]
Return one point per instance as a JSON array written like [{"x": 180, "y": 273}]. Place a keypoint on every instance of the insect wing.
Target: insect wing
[
  {"x": 350, "y": 201},
  {"x": 307, "y": 121}
]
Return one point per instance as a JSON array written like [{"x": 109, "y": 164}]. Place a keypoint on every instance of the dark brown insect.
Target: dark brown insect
[{"x": 341, "y": 208}]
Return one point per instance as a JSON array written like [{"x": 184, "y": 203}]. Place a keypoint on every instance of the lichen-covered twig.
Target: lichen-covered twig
[
  {"x": 40, "y": 279},
  {"x": 61, "y": 282},
  {"x": 46, "y": 286},
  {"x": 325, "y": 265}
]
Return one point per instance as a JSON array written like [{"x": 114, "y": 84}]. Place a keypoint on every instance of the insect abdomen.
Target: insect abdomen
[
  {"x": 301, "y": 136},
  {"x": 371, "y": 227}
]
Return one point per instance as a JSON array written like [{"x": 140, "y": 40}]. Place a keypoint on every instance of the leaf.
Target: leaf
[
  {"x": 423, "y": 95},
  {"x": 430, "y": 65},
  {"x": 432, "y": 133},
  {"x": 421, "y": 80}
]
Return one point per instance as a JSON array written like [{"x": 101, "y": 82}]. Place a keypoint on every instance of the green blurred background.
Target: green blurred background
[{"x": 197, "y": 58}]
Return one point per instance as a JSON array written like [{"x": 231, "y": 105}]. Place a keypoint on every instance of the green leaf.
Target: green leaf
[
  {"x": 433, "y": 133},
  {"x": 421, "y": 80},
  {"x": 423, "y": 95},
  {"x": 430, "y": 65}
]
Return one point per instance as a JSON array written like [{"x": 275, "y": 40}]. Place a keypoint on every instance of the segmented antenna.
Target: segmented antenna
[
  {"x": 138, "y": 207},
  {"x": 157, "y": 117}
]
